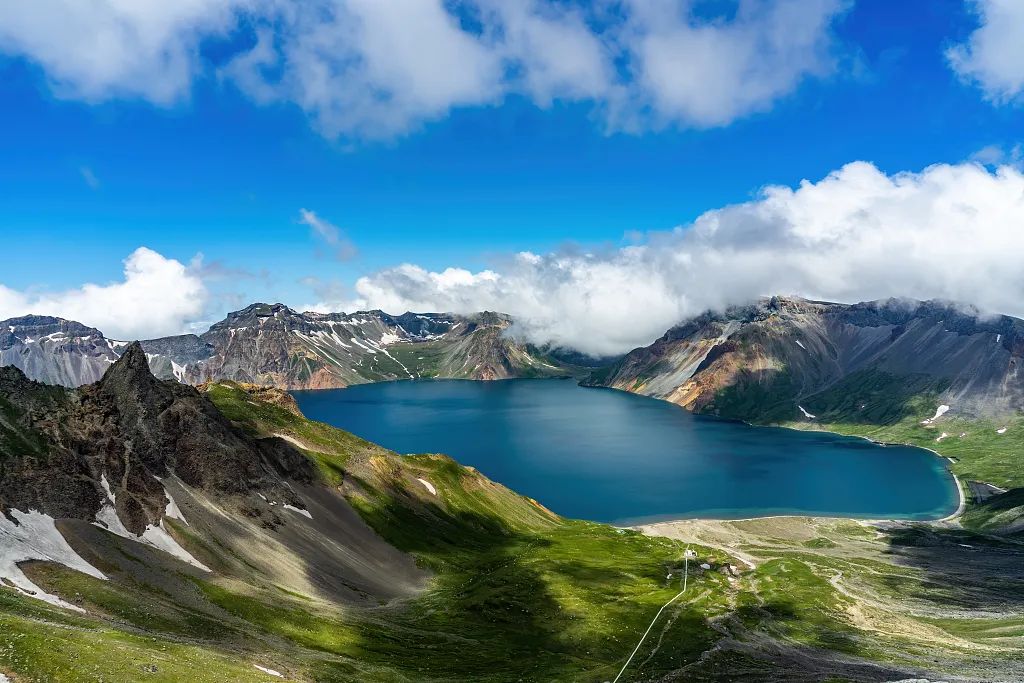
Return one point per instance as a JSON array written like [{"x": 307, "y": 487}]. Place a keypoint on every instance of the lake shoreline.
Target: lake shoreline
[
  {"x": 952, "y": 517},
  {"x": 448, "y": 416},
  {"x": 962, "y": 504}
]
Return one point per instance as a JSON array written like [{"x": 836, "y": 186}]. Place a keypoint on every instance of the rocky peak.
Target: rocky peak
[
  {"x": 130, "y": 374},
  {"x": 132, "y": 430},
  {"x": 29, "y": 328}
]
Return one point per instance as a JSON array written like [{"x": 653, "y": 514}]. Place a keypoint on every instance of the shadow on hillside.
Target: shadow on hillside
[
  {"x": 488, "y": 612},
  {"x": 961, "y": 569},
  {"x": 873, "y": 397},
  {"x": 774, "y": 616}
]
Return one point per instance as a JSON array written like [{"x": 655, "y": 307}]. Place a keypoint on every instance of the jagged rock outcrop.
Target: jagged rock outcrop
[
  {"x": 760, "y": 362},
  {"x": 68, "y": 452}
]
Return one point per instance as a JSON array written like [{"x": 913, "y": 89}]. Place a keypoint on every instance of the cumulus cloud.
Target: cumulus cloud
[
  {"x": 710, "y": 73},
  {"x": 993, "y": 55},
  {"x": 949, "y": 231},
  {"x": 158, "y": 296},
  {"x": 98, "y": 49},
  {"x": 341, "y": 247},
  {"x": 371, "y": 69}
]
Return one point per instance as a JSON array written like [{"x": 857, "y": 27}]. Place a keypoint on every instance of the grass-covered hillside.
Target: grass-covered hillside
[
  {"x": 512, "y": 592},
  {"x": 501, "y": 590}
]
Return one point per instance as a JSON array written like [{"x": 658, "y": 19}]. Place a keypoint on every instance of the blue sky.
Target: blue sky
[{"x": 92, "y": 172}]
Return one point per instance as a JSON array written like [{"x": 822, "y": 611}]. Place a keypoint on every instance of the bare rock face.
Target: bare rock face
[
  {"x": 56, "y": 351},
  {"x": 273, "y": 345},
  {"x": 759, "y": 362},
  {"x": 62, "y": 449}
]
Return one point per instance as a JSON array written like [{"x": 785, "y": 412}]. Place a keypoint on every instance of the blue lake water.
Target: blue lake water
[{"x": 611, "y": 456}]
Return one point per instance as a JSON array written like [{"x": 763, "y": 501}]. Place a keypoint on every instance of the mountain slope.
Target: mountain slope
[
  {"x": 275, "y": 346},
  {"x": 130, "y": 452},
  {"x": 55, "y": 350},
  {"x": 243, "y": 535},
  {"x": 275, "y": 547},
  {"x": 760, "y": 362},
  {"x": 928, "y": 374}
]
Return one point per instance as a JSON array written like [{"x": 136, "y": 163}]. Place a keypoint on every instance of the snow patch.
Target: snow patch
[
  {"x": 1001, "y": 430},
  {"x": 261, "y": 668},
  {"x": 389, "y": 338},
  {"x": 173, "y": 511},
  {"x": 428, "y": 486},
  {"x": 178, "y": 371},
  {"x": 941, "y": 437},
  {"x": 154, "y": 536},
  {"x": 35, "y": 537},
  {"x": 800, "y": 344},
  {"x": 939, "y": 412},
  {"x": 999, "y": 338},
  {"x": 158, "y": 537},
  {"x": 299, "y": 510},
  {"x": 806, "y": 414}
]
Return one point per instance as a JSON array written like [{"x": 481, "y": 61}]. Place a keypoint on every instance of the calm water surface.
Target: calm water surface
[{"x": 610, "y": 456}]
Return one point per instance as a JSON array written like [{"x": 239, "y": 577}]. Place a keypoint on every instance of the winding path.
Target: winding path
[{"x": 686, "y": 573}]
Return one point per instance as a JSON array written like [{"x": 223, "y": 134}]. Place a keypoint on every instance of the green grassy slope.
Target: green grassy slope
[
  {"x": 532, "y": 594},
  {"x": 516, "y": 593}
]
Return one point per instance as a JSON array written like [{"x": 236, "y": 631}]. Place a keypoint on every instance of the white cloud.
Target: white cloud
[
  {"x": 993, "y": 56},
  {"x": 371, "y": 69},
  {"x": 97, "y": 49},
  {"x": 710, "y": 73},
  {"x": 158, "y": 296},
  {"x": 341, "y": 247},
  {"x": 950, "y": 231}
]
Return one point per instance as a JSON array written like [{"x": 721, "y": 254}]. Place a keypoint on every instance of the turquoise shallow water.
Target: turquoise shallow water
[{"x": 611, "y": 456}]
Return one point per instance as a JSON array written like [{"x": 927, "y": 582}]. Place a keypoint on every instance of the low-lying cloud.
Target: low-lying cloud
[
  {"x": 158, "y": 296},
  {"x": 949, "y": 231}
]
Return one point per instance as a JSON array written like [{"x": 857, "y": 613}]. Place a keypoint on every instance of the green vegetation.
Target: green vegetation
[
  {"x": 998, "y": 514},
  {"x": 43, "y": 643},
  {"x": 891, "y": 409},
  {"x": 329, "y": 447},
  {"x": 516, "y": 592},
  {"x": 764, "y": 397},
  {"x": 798, "y": 605}
]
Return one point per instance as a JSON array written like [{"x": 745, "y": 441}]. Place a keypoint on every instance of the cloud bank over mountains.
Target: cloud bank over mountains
[
  {"x": 158, "y": 296},
  {"x": 949, "y": 231},
  {"x": 371, "y": 69}
]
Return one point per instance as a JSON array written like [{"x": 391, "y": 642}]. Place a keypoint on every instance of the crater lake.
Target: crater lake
[{"x": 611, "y": 456}]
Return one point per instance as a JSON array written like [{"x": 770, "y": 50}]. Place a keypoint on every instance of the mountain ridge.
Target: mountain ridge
[
  {"x": 155, "y": 530},
  {"x": 274, "y": 345},
  {"x": 786, "y": 349}
]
